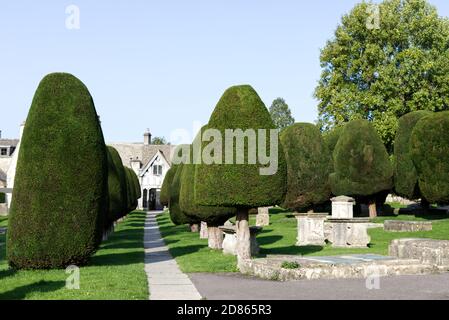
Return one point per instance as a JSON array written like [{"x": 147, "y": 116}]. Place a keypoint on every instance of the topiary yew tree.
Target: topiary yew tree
[
  {"x": 362, "y": 168},
  {"x": 117, "y": 187},
  {"x": 308, "y": 167},
  {"x": 61, "y": 184},
  {"x": 133, "y": 190},
  {"x": 429, "y": 150},
  {"x": 177, "y": 215},
  {"x": 214, "y": 216},
  {"x": 405, "y": 175},
  {"x": 241, "y": 185},
  {"x": 165, "y": 189}
]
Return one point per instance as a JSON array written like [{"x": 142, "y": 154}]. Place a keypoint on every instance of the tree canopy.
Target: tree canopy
[
  {"x": 380, "y": 74},
  {"x": 281, "y": 114}
]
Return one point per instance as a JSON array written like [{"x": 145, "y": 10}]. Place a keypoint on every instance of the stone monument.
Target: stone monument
[{"x": 311, "y": 229}]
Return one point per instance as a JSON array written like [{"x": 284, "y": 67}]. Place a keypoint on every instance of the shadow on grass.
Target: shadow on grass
[
  {"x": 186, "y": 250},
  {"x": 7, "y": 273},
  {"x": 117, "y": 259},
  {"x": 22, "y": 292}
]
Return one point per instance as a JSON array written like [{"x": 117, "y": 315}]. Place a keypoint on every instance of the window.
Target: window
[
  {"x": 157, "y": 170},
  {"x": 4, "y": 151}
]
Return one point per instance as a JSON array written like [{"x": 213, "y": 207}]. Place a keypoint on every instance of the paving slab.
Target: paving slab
[{"x": 165, "y": 280}]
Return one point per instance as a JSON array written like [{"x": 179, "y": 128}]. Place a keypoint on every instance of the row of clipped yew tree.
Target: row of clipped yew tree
[
  {"x": 70, "y": 188},
  {"x": 350, "y": 160}
]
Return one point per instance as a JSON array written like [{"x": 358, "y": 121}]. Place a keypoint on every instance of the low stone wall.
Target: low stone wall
[
  {"x": 407, "y": 226},
  {"x": 270, "y": 269}
]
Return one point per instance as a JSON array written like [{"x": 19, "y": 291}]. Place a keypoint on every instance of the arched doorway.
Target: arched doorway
[
  {"x": 152, "y": 200},
  {"x": 145, "y": 199}
]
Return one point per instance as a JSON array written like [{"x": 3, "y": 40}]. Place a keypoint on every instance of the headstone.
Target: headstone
[
  {"x": 203, "y": 230},
  {"x": 350, "y": 233},
  {"x": 343, "y": 207},
  {"x": 311, "y": 229},
  {"x": 263, "y": 217},
  {"x": 407, "y": 226},
  {"x": 230, "y": 240}
]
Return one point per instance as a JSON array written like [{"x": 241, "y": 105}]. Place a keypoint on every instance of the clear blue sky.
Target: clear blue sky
[{"x": 164, "y": 64}]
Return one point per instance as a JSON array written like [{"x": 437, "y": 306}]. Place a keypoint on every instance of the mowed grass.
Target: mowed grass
[
  {"x": 193, "y": 255},
  {"x": 116, "y": 272}
]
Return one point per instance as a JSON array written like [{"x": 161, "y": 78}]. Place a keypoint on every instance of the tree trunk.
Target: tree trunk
[
  {"x": 194, "y": 228},
  {"x": 372, "y": 210},
  {"x": 243, "y": 235},
  {"x": 215, "y": 238},
  {"x": 203, "y": 230}
]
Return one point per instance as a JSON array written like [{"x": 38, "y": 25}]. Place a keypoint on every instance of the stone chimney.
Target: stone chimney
[{"x": 147, "y": 137}]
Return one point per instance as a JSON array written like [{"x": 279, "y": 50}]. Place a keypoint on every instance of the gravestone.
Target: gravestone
[
  {"x": 203, "y": 231},
  {"x": 311, "y": 229},
  {"x": 263, "y": 217},
  {"x": 343, "y": 207},
  {"x": 350, "y": 233},
  {"x": 407, "y": 226},
  {"x": 230, "y": 240}
]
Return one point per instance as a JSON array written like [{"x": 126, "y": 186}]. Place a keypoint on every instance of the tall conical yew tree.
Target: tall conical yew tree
[
  {"x": 308, "y": 167},
  {"x": 165, "y": 190},
  {"x": 177, "y": 215},
  {"x": 243, "y": 186},
  {"x": 61, "y": 184},
  {"x": 214, "y": 216},
  {"x": 362, "y": 168},
  {"x": 405, "y": 175},
  {"x": 429, "y": 150},
  {"x": 117, "y": 187}
]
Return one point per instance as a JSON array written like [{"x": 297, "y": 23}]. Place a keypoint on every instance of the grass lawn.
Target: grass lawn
[
  {"x": 193, "y": 255},
  {"x": 115, "y": 272}
]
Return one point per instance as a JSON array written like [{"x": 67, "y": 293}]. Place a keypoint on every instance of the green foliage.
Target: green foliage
[
  {"x": 159, "y": 141},
  {"x": 290, "y": 265},
  {"x": 2, "y": 198},
  {"x": 117, "y": 187},
  {"x": 132, "y": 187},
  {"x": 331, "y": 137},
  {"x": 281, "y": 114},
  {"x": 165, "y": 190},
  {"x": 240, "y": 185},
  {"x": 177, "y": 216},
  {"x": 61, "y": 183},
  {"x": 362, "y": 167},
  {"x": 383, "y": 74},
  {"x": 405, "y": 175},
  {"x": 429, "y": 149},
  {"x": 214, "y": 216},
  {"x": 308, "y": 167}
]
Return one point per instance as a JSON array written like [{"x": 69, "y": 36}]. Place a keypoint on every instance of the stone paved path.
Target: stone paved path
[{"x": 165, "y": 279}]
